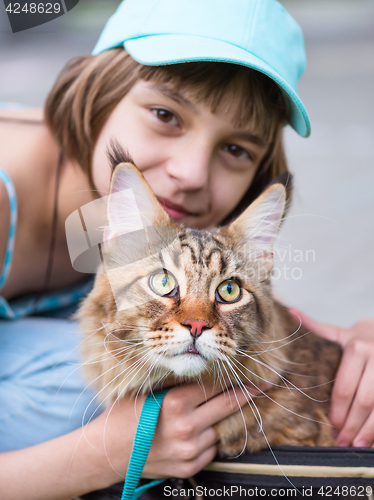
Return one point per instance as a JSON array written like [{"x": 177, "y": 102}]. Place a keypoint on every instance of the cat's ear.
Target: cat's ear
[
  {"x": 258, "y": 225},
  {"x": 132, "y": 204}
]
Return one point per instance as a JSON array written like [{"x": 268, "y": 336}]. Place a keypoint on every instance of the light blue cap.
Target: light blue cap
[{"x": 259, "y": 34}]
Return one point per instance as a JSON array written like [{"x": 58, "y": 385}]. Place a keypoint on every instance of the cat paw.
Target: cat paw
[{"x": 232, "y": 436}]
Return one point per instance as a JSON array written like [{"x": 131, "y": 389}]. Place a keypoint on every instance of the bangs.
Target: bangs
[
  {"x": 253, "y": 101},
  {"x": 89, "y": 88}
]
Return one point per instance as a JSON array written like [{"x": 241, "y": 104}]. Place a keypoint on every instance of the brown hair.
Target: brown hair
[{"x": 90, "y": 87}]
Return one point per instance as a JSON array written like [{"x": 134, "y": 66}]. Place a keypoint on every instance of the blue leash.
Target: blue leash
[{"x": 142, "y": 443}]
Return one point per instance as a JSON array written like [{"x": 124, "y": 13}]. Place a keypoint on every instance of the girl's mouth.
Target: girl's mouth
[{"x": 176, "y": 212}]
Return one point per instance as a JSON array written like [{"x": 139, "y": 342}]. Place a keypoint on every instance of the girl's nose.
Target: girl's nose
[{"x": 190, "y": 167}]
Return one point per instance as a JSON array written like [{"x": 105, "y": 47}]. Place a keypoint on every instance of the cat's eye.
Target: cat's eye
[
  {"x": 228, "y": 291},
  {"x": 163, "y": 283}
]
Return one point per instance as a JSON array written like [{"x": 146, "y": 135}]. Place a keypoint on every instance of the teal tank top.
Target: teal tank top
[{"x": 31, "y": 304}]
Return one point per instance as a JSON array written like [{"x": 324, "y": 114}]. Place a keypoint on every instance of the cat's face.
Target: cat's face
[
  {"x": 199, "y": 308},
  {"x": 182, "y": 301}
]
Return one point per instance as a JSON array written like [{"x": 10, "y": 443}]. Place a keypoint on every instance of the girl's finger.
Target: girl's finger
[
  {"x": 365, "y": 437},
  {"x": 361, "y": 409},
  {"x": 202, "y": 461},
  {"x": 347, "y": 381},
  {"x": 182, "y": 469},
  {"x": 206, "y": 439},
  {"x": 324, "y": 330},
  {"x": 190, "y": 396},
  {"x": 221, "y": 406}
]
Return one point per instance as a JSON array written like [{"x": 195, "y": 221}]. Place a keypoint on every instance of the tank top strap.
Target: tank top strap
[{"x": 4, "y": 177}]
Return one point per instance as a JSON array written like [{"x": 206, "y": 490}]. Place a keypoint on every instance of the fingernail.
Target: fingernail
[
  {"x": 343, "y": 444},
  {"x": 361, "y": 444}
]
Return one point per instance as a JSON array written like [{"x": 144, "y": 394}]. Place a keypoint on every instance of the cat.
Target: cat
[{"x": 174, "y": 304}]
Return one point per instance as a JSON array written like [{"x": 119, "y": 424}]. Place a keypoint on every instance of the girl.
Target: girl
[{"x": 201, "y": 107}]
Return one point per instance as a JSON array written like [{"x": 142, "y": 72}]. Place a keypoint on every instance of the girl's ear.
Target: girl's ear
[
  {"x": 258, "y": 225},
  {"x": 132, "y": 204}
]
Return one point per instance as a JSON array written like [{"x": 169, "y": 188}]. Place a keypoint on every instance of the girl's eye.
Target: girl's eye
[
  {"x": 165, "y": 116},
  {"x": 162, "y": 283},
  {"x": 237, "y": 151},
  {"x": 228, "y": 291}
]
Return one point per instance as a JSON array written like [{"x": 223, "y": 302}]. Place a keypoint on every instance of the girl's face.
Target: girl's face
[{"x": 198, "y": 164}]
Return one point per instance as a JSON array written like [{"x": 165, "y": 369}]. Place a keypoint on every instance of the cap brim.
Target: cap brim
[{"x": 171, "y": 49}]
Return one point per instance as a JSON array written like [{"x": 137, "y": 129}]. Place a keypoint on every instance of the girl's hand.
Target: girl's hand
[
  {"x": 352, "y": 398},
  {"x": 185, "y": 440},
  {"x": 97, "y": 456}
]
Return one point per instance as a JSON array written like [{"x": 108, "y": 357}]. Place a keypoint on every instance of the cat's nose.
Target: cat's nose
[{"x": 196, "y": 326}]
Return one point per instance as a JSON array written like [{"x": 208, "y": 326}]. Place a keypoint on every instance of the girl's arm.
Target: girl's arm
[
  {"x": 97, "y": 456},
  {"x": 352, "y": 398},
  {"x": 58, "y": 469}
]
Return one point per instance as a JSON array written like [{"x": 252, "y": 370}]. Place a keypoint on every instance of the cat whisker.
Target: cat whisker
[
  {"x": 241, "y": 412},
  {"x": 132, "y": 341},
  {"x": 119, "y": 396},
  {"x": 282, "y": 378},
  {"x": 283, "y": 407},
  {"x": 139, "y": 368},
  {"x": 287, "y": 360},
  {"x": 264, "y": 435},
  {"x": 145, "y": 380},
  {"x": 84, "y": 426},
  {"x": 279, "y": 340},
  {"x": 113, "y": 353},
  {"x": 109, "y": 383},
  {"x": 256, "y": 375},
  {"x": 301, "y": 375},
  {"x": 100, "y": 358},
  {"x": 92, "y": 332},
  {"x": 79, "y": 366},
  {"x": 221, "y": 378},
  {"x": 131, "y": 346},
  {"x": 150, "y": 386},
  {"x": 242, "y": 386},
  {"x": 104, "y": 441},
  {"x": 129, "y": 328},
  {"x": 281, "y": 346},
  {"x": 133, "y": 326},
  {"x": 142, "y": 361},
  {"x": 166, "y": 374},
  {"x": 200, "y": 382}
]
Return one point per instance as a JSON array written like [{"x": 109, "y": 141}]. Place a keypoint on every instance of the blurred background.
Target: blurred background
[{"x": 325, "y": 252}]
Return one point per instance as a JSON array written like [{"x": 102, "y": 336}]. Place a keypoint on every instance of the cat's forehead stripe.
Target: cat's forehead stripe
[
  {"x": 193, "y": 255},
  {"x": 203, "y": 245},
  {"x": 209, "y": 257}
]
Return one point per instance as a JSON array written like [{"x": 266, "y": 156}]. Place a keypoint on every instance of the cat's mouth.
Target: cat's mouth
[
  {"x": 188, "y": 362},
  {"x": 192, "y": 350}
]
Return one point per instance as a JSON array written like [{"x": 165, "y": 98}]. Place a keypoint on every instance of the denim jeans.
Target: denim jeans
[{"x": 43, "y": 394}]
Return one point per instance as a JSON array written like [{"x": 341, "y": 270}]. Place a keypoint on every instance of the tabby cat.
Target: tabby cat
[{"x": 173, "y": 304}]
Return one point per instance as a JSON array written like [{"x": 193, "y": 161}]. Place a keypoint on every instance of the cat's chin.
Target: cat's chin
[{"x": 185, "y": 364}]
